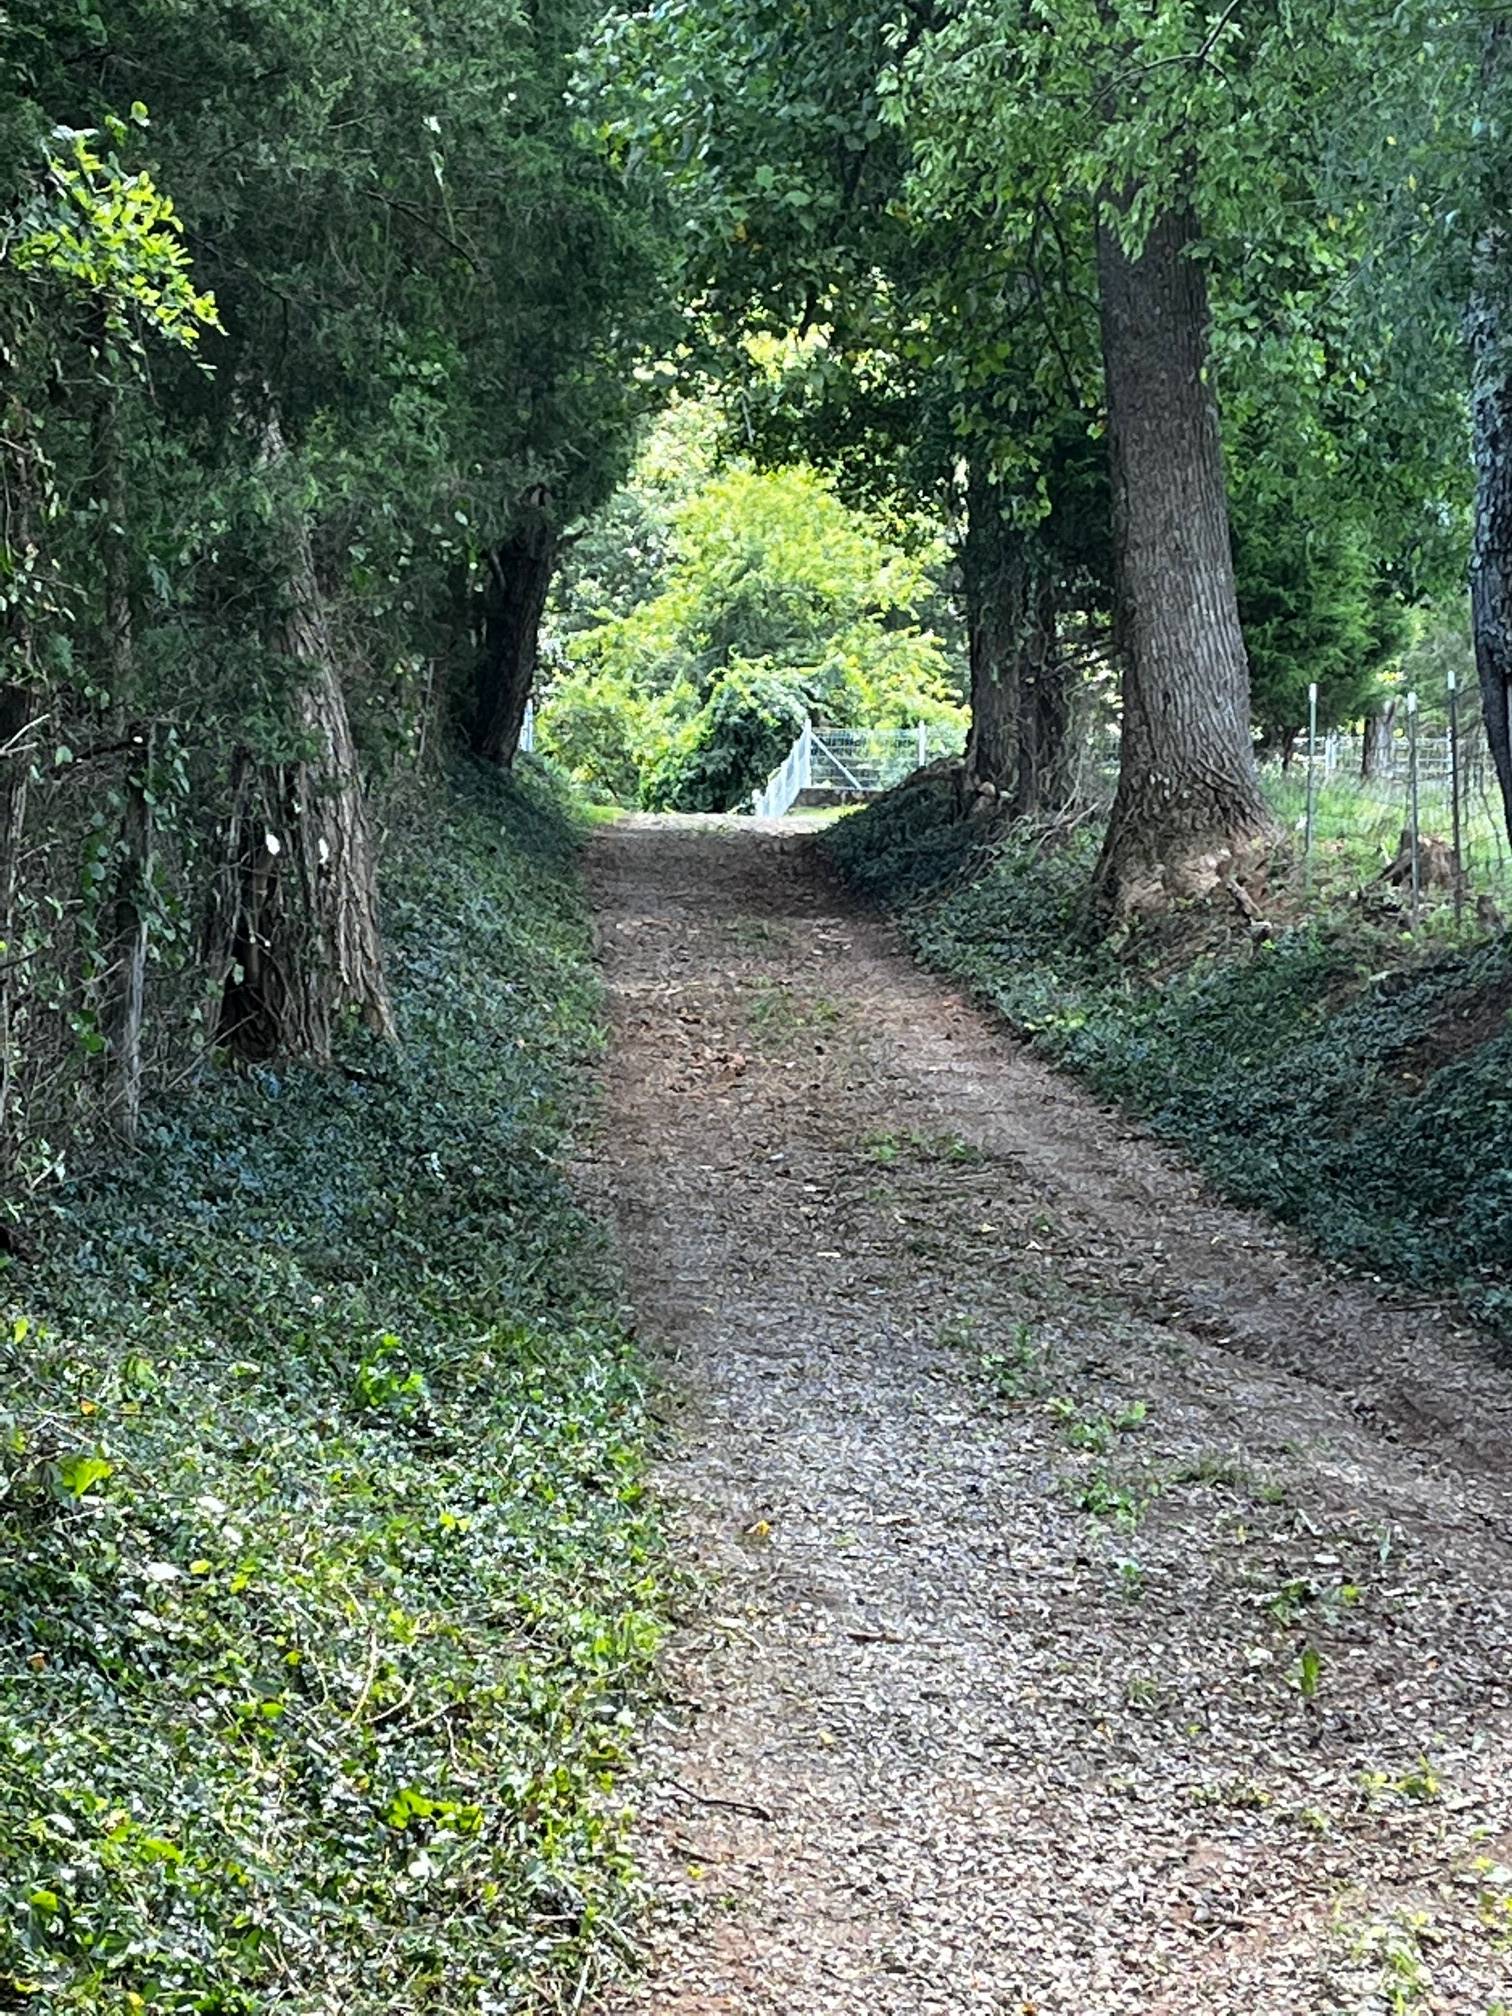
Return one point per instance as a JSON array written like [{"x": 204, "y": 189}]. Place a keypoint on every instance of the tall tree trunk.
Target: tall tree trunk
[
  {"x": 1490, "y": 334},
  {"x": 514, "y": 603},
  {"x": 298, "y": 927},
  {"x": 126, "y": 1011},
  {"x": 1044, "y": 783},
  {"x": 126, "y": 935},
  {"x": 1188, "y": 803},
  {"x": 1375, "y": 743},
  {"x": 995, "y": 581},
  {"x": 20, "y": 714}
]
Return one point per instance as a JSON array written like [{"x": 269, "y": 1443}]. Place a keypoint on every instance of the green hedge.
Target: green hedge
[
  {"x": 1336, "y": 1076},
  {"x": 326, "y": 1586}
]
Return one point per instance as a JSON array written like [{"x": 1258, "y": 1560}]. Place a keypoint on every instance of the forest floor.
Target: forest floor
[{"x": 1107, "y": 1608}]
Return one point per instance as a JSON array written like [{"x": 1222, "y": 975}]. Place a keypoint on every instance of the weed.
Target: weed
[
  {"x": 1104, "y": 1499},
  {"x": 887, "y": 1148},
  {"x": 1095, "y": 1432},
  {"x": 1287, "y": 1603},
  {"x": 779, "y": 1013},
  {"x": 1307, "y": 1674},
  {"x": 1018, "y": 1371},
  {"x": 1217, "y": 1468},
  {"x": 1396, "y": 1946},
  {"x": 1079, "y": 1431},
  {"x": 1420, "y": 1785},
  {"x": 1496, "y": 1904},
  {"x": 756, "y": 931},
  {"x": 1131, "y": 1578},
  {"x": 1094, "y": 1435}
]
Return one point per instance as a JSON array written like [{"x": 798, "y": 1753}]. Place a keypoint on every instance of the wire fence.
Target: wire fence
[
  {"x": 1433, "y": 819},
  {"x": 852, "y": 762},
  {"x": 868, "y": 760},
  {"x": 1412, "y": 804}
]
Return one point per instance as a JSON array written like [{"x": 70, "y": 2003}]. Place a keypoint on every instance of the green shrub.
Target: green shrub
[
  {"x": 605, "y": 735},
  {"x": 731, "y": 746},
  {"x": 771, "y": 596},
  {"x": 327, "y": 1583}
]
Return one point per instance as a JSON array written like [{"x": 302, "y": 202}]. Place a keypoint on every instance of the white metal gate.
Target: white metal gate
[{"x": 860, "y": 760}]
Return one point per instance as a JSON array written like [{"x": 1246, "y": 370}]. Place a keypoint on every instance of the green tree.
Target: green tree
[
  {"x": 1490, "y": 332},
  {"x": 776, "y": 600},
  {"x": 933, "y": 366},
  {"x": 263, "y": 576},
  {"x": 1315, "y": 612},
  {"x": 94, "y": 267}
]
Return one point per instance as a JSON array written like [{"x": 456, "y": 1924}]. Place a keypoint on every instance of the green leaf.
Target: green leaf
[{"x": 80, "y": 1472}]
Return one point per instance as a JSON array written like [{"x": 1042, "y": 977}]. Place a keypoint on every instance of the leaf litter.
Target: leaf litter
[{"x": 1105, "y": 1608}]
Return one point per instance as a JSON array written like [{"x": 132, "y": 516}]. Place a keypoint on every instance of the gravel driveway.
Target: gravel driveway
[{"x": 1107, "y": 1609}]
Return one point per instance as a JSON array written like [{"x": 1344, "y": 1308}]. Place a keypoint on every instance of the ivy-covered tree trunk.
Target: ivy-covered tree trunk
[
  {"x": 125, "y": 937},
  {"x": 1490, "y": 334},
  {"x": 1044, "y": 782},
  {"x": 128, "y": 943},
  {"x": 299, "y": 929},
  {"x": 19, "y": 713},
  {"x": 514, "y": 602},
  {"x": 995, "y": 585},
  {"x": 20, "y": 716},
  {"x": 1188, "y": 807}
]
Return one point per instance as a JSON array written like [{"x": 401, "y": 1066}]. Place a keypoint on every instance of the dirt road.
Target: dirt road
[{"x": 1110, "y": 1611}]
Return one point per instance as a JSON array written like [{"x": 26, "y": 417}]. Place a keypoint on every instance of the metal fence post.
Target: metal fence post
[
  {"x": 1454, "y": 797},
  {"x": 806, "y": 756},
  {"x": 1412, "y": 801},
  {"x": 923, "y": 746}
]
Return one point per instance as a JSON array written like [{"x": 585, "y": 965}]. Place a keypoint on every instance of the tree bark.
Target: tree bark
[
  {"x": 299, "y": 920},
  {"x": 1188, "y": 806},
  {"x": 1375, "y": 743},
  {"x": 20, "y": 710},
  {"x": 514, "y": 603},
  {"x": 1490, "y": 335},
  {"x": 1044, "y": 783},
  {"x": 995, "y": 582},
  {"x": 127, "y": 999},
  {"x": 20, "y": 713},
  {"x": 125, "y": 982}
]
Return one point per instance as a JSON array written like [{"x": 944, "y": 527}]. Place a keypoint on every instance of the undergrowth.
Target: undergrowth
[
  {"x": 1337, "y": 1075},
  {"x": 325, "y": 1579}
]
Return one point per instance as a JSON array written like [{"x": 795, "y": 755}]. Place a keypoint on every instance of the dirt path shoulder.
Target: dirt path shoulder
[{"x": 1111, "y": 1611}]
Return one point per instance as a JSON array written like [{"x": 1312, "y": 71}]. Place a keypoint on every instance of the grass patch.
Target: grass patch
[
  {"x": 1345, "y": 1080},
  {"x": 780, "y": 1014},
  {"x": 328, "y": 1585}
]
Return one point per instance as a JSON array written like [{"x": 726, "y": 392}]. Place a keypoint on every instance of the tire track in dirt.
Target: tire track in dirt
[{"x": 1109, "y": 1610}]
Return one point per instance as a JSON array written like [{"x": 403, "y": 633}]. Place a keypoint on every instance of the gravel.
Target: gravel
[{"x": 1101, "y": 1607}]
